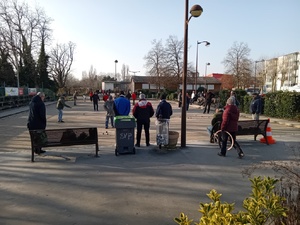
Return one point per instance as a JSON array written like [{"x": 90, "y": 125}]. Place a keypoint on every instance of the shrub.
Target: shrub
[{"x": 263, "y": 206}]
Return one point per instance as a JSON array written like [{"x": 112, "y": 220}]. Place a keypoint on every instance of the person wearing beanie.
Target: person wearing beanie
[
  {"x": 37, "y": 116},
  {"x": 60, "y": 107},
  {"x": 109, "y": 107},
  {"x": 142, "y": 111},
  {"x": 229, "y": 123},
  {"x": 164, "y": 109}
]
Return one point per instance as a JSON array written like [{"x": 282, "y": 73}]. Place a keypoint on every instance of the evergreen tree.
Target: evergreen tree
[{"x": 7, "y": 74}]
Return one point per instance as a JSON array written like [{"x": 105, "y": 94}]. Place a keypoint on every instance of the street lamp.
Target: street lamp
[
  {"x": 196, "y": 76},
  {"x": 134, "y": 72},
  {"x": 206, "y": 64},
  {"x": 116, "y": 61},
  {"x": 255, "y": 73},
  {"x": 195, "y": 11}
]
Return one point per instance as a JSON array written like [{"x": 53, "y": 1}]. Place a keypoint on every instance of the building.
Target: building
[
  {"x": 280, "y": 73},
  {"x": 226, "y": 80}
]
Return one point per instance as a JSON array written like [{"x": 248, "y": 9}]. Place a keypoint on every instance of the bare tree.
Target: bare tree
[
  {"x": 238, "y": 64},
  {"x": 272, "y": 71},
  {"x": 155, "y": 63},
  {"x": 20, "y": 36},
  {"x": 61, "y": 59},
  {"x": 283, "y": 68},
  {"x": 174, "y": 58}
]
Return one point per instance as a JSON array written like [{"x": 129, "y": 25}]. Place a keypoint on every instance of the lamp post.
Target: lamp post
[
  {"x": 195, "y": 11},
  {"x": 196, "y": 76},
  {"x": 255, "y": 73},
  {"x": 116, "y": 61},
  {"x": 206, "y": 64},
  {"x": 21, "y": 40}
]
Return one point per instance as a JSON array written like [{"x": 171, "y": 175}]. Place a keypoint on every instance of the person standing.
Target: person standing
[
  {"x": 105, "y": 96},
  {"x": 37, "y": 116},
  {"x": 188, "y": 100},
  {"x": 208, "y": 98},
  {"x": 179, "y": 98},
  {"x": 233, "y": 95},
  {"x": 142, "y": 111},
  {"x": 133, "y": 96},
  {"x": 60, "y": 106},
  {"x": 109, "y": 107},
  {"x": 164, "y": 109},
  {"x": 192, "y": 97},
  {"x": 255, "y": 106},
  {"x": 95, "y": 99},
  {"x": 121, "y": 105},
  {"x": 128, "y": 96},
  {"x": 229, "y": 123},
  {"x": 75, "y": 97},
  {"x": 91, "y": 95}
]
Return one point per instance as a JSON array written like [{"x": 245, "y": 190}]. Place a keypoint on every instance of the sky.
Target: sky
[{"x": 123, "y": 30}]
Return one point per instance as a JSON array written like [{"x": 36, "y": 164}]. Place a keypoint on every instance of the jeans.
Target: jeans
[
  {"x": 255, "y": 116},
  {"x": 60, "y": 114},
  {"x": 111, "y": 121}
]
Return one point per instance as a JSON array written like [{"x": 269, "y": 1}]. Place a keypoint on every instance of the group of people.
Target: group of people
[
  {"x": 228, "y": 118},
  {"x": 142, "y": 111},
  {"x": 207, "y": 96}
]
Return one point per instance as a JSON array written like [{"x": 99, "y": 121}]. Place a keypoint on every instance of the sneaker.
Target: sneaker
[
  {"x": 62, "y": 121},
  {"x": 241, "y": 155},
  {"x": 220, "y": 154},
  {"x": 137, "y": 145}
]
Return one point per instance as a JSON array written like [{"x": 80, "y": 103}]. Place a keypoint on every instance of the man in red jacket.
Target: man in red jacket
[
  {"x": 142, "y": 111},
  {"x": 230, "y": 124}
]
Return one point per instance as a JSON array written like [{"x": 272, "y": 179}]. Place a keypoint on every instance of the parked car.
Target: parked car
[{"x": 251, "y": 90}]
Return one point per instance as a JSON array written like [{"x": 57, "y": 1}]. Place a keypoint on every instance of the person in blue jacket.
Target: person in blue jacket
[{"x": 121, "y": 105}]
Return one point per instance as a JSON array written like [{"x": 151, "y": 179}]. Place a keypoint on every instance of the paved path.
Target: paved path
[{"x": 70, "y": 186}]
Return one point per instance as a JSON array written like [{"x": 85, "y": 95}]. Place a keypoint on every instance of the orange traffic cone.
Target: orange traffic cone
[{"x": 269, "y": 136}]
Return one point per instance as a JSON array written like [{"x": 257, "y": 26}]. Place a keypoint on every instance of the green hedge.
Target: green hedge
[{"x": 285, "y": 105}]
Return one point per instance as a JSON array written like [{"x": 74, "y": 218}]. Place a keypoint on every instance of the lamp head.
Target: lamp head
[
  {"x": 196, "y": 10},
  {"x": 207, "y": 43},
  {"x": 208, "y": 64}
]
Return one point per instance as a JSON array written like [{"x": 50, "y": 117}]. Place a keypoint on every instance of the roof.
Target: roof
[
  {"x": 140, "y": 79},
  {"x": 190, "y": 80}
]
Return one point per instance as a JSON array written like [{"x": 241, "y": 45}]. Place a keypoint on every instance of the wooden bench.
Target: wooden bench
[
  {"x": 63, "y": 137},
  {"x": 247, "y": 127}
]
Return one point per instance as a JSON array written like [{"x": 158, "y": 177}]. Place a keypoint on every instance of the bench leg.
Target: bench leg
[
  {"x": 32, "y": 154},
  {"x": 97, "y": 150}
]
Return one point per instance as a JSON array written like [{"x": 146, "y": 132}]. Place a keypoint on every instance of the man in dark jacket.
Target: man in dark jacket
[
  {"x": 164, "y": 109},
  {"x": 229, "y": 123},
  {"x": 255, "y": 106},
  {"x": 143, "y": 111},
  {"x": 121, "y": 105},
  {"x": 208, "y": 98},
  {"x": 37, "y": 115}
]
